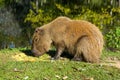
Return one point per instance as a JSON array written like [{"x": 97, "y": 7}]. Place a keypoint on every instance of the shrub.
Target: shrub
[{"x": 113, "y": 38}]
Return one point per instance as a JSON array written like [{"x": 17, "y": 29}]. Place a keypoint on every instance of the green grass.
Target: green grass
[
  {"x": 107, "y": 53},
  {"x": 10, "y": 69}
]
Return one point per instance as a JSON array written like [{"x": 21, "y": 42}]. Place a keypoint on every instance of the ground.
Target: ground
[
  {"x": 109, "y": 61},
  {"x": 19, "y": 64}
]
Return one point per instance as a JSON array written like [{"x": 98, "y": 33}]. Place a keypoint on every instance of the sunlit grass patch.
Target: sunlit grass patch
[{"x": 24, "y": 57}]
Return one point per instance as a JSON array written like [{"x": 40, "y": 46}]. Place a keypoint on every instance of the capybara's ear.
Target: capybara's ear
[
  {"x": 41, "y": 31},
  {"x": 36, "y": 30}
]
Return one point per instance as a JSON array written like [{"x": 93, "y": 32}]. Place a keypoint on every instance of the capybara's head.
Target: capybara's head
[{"x": 41, "y": 42}]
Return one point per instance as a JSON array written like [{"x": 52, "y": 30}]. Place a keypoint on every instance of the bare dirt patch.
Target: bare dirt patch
[{"x": 111, "y": 61}]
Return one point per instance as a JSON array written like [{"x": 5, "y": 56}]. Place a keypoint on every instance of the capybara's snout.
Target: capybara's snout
[{"x": 35, "y": 53}]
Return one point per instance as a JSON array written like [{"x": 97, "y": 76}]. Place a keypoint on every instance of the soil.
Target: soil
[{"x": 111, "y": 61}]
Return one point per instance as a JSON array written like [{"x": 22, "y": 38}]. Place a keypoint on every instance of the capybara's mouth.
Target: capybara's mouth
[{"x": 36, "y": 53}]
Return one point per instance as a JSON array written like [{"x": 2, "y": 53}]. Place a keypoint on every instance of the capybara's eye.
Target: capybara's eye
[
  {"x": 36, "y": 40},
  {"x": 36, "y": 31}
]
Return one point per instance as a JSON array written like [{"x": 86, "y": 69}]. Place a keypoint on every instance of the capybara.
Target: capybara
[{"x": 80, "y": 38}]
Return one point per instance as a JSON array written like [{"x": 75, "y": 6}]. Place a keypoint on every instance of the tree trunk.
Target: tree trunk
[
  {"x": 119, "y": 3},
  {"x": 111, "y": 13},
  {"x": 37, "y": 5}
]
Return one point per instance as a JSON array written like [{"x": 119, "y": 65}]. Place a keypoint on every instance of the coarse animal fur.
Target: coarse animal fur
[{"x": 80, "y": 38}]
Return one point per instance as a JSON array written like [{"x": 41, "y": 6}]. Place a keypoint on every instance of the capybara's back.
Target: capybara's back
[{"x": 80, "y": 38}]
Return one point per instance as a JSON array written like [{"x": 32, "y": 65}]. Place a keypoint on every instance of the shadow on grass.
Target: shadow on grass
[
  {"x": 50, "y": 53},
  {"x": 64, "y": 54},
  {"x": 27, "y": 52}
]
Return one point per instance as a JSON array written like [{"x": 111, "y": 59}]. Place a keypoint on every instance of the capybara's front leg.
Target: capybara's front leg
[{"x": 58, "y": 53}]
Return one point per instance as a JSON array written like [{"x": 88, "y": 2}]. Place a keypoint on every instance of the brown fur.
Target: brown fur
[{"x": 80, "y": 38}]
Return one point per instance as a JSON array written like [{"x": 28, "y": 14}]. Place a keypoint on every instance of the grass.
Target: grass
[
  {"x": 32, "y": 68},
  {"x": 107, "y": 53}
]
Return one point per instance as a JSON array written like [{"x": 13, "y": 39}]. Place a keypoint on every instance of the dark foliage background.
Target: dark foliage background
[{"x": 19, "y": 18}]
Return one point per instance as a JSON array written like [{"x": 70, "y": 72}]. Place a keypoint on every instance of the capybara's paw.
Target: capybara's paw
[{"x": 54, "y": 58}]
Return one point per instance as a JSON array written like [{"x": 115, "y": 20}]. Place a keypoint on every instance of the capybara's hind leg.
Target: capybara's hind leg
[
  {"x": 88, "y": 50},
  {"x": 78, "y": 58},
  {"x": 81, "y": 47}
]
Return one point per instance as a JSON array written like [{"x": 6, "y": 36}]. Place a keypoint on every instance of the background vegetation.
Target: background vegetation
[{"x": 19, "y": 18}]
